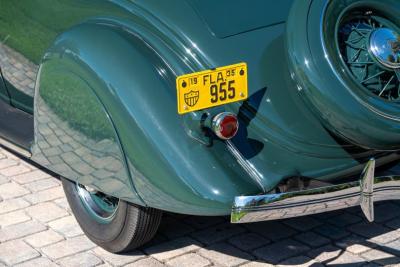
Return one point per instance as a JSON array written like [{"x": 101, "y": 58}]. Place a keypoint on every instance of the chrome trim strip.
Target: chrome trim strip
[
  {"x": 13, "y": 147},
  {"x": 364, "y": 192}
]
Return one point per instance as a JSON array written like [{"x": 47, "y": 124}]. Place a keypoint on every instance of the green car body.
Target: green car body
[{"x": 104, "y": 99}]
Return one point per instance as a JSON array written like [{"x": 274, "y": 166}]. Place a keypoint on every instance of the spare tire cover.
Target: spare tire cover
[{"x": 344, "y": 57}]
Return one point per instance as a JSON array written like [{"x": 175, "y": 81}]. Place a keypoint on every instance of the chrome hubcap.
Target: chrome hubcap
[
  {"x": 99, "y": 205},
  {"x": 384, "y": 46},
  {"x": 369, "y": 46}
]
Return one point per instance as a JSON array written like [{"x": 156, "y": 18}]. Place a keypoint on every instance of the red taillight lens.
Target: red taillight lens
[{"x": 225, "y": 125}]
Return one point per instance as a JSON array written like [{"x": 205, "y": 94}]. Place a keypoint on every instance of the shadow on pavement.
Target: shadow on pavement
[{"x": 341, "y": 238}]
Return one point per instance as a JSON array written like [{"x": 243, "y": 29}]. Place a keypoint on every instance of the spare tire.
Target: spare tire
[{"x": 344, "y": 57}]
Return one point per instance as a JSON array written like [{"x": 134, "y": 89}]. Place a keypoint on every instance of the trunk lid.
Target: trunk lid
[{"x": 225, "y": 18}]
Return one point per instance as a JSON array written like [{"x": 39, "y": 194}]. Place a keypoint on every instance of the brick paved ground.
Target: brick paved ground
[
  {"x": 17, "y": 69},
  {"x": 37, "y": 229}
]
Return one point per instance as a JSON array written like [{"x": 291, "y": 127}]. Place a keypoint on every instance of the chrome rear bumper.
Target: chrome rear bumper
[{"x": 293, "y": 204}]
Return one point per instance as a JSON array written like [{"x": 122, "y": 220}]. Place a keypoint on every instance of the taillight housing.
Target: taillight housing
[{"x": 225, "y": 125}]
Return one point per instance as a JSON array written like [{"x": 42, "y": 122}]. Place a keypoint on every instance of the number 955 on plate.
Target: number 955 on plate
[{"x": 210, "y": 88}]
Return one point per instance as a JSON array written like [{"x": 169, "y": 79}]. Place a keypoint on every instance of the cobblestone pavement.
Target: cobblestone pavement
[
  {"x": 37, "y": 229},
  {"x": 18, "y": 70}
]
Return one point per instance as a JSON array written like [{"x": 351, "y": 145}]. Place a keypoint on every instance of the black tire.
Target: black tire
[{"x": 130, "y": 227}]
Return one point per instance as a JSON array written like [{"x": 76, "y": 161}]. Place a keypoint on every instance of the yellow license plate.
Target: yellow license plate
[{"x": 210, "y": 88}]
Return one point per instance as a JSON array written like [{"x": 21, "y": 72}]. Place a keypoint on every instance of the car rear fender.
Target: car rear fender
[{"x": 116, "y": 100}]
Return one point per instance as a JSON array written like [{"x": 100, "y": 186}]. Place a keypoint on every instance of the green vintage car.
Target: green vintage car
[{"x": 259, "y": 109}]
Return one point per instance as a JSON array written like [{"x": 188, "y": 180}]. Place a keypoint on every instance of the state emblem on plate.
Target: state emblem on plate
[{"x": 191, "y": 98}]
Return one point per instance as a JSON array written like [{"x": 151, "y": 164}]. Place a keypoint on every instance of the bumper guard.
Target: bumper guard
[{"x": 298, "y": 203}]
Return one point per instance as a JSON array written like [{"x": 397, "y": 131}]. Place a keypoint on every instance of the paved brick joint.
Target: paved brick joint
[{"x": 38, "y": 229}]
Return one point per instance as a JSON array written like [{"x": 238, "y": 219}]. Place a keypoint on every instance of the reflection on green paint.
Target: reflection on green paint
[
  {"x": 71, "y": 99},
  {"x": 30, "y": 26}
]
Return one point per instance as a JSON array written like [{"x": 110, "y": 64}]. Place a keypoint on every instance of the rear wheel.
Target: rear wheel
[{"x": 111, "y": 223}]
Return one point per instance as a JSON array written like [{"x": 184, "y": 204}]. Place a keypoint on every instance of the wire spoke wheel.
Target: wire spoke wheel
[
  {"x": 345, "y": 55},
  {"x": 370, "y": 49}
]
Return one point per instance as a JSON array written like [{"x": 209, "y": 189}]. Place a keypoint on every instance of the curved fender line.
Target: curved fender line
[
  {"x": 126, "y": 167},
  {"x": 121, "y": 148}
]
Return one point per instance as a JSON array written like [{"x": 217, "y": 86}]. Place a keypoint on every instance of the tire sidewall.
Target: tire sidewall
[{"x": 102, "y": 233}]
